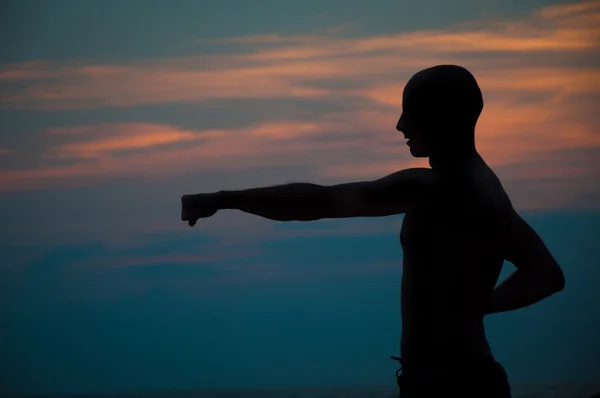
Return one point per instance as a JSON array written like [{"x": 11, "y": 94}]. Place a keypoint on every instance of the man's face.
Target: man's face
[{"x": 416, "y": 128}]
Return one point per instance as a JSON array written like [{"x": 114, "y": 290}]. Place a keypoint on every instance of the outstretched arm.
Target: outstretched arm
[
  {"x": 537, "y": 276},
  {"x": 392, "y": 194}
]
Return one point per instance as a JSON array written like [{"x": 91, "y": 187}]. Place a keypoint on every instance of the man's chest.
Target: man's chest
[
  {"x": 426, "y": 224},
  {"x": 446, "y": 226}
]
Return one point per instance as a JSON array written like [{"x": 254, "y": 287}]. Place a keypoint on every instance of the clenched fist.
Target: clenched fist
[{"x": 194, "y": 207}]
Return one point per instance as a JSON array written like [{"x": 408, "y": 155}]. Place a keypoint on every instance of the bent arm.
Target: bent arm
[
  {"x": 537, "y": 276},
  {"x": 392, "y": 194}
]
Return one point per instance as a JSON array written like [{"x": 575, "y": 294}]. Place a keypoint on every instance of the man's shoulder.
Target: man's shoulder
[
  {"x": 417, "y": 175},
  {"x": 407, "y": 185},
  {"x": 488, "y": 199}
]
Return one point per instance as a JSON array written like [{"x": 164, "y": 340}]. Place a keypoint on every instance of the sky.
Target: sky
[{"x": 110, "y": 111}]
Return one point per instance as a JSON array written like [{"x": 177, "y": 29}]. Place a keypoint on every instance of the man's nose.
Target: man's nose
[{"x": 400, "y": 124}]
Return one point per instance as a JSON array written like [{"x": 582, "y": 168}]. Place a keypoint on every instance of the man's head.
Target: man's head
[{"x": 440, "y": 107}]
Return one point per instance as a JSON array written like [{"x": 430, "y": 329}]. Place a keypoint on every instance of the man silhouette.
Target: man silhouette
[{"x": 458, "y": 229}]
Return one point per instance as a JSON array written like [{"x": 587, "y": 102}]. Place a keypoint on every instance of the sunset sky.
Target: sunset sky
[{"x": 111, "y": 110}]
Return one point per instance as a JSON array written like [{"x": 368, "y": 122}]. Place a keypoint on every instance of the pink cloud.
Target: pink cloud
[
  {"x": 255, "y": 146},
  {"x": 282, "y": 67},
  {"x": 590, "y": 7},
  {"x": 107, "y": 138},
  {"x": 543, "y": 57}
]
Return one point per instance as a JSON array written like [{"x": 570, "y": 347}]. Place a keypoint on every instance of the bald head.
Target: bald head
[
  {"x": 440, "y": 108},
  {"x": 447, "y": 92}
]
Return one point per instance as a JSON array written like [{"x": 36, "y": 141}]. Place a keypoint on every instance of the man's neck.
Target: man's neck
[{"x": 455, "y": 160}]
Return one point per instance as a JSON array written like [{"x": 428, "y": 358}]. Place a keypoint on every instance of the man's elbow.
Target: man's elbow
[
  {"x": 557, "y": 280},
  {"x": 561, "y": 282}
]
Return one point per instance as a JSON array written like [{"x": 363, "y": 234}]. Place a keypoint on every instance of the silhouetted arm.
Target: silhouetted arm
[
  {"x": 537, "y": 276},
  {"x": 392, "y": 194}
]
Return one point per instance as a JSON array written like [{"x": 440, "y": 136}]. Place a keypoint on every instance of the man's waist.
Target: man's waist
[
  {"x": 460, "y": 336},
  {"x": 429, "y": 352},
  {"x": 444, "y": 365}
]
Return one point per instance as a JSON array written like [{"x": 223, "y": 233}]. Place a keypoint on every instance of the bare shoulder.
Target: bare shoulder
[
  {"x": 402, "y": 189},
  {"x": 497, "y": 204},
  {"x": 488, "y": 187},
  {"x": 418, "y": 176},
  {"x": 392, "y": 194},
  {"x": 483, "y": 200}
]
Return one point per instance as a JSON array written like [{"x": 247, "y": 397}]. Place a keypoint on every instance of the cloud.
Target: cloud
[
  {"x": 279, "y": 66},
  {"x": 105, "y": 151},
  {"x": 569, "y": 10},
  {"x": 108, "y": 138},
  {"x": 539, "y": 75}
]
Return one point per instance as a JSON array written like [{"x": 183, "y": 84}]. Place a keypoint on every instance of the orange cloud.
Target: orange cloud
[
  {"x": 97, "y": 149},
  {"x": 540, "y": 87},
  {"x": 107, "y": 138},
  {"x": 283, "y": 67},
  {"x": 567, "y": 10}
]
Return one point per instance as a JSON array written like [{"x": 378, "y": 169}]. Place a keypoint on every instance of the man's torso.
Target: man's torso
[{"x": 452, "y": 259}]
